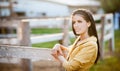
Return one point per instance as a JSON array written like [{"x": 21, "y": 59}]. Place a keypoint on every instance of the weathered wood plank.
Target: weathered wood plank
[
  {"x": 25, "y": 52},
  {"x": 38, "y": 38},
  {"x": 48, "y": 38},
  {"x": 9, "y": 23},
  {"x": 53, "y": 22}
]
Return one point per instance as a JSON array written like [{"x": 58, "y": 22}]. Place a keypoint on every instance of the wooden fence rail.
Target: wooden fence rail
[
  {"x": 34, "y": 54},
  {"x": 29, "y": 59}
]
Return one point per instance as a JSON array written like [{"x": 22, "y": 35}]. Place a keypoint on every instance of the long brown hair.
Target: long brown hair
[{"x": 87, "y": 15}]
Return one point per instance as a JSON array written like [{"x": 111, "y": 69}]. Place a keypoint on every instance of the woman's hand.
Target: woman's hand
[{"x": 56, "y": 51}]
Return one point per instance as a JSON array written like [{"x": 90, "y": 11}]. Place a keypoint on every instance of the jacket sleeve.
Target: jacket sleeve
[{"x": 82, "y": 59}]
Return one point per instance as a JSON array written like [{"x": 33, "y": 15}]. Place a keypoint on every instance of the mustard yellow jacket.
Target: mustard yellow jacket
[{"x": 83, "y": 56}]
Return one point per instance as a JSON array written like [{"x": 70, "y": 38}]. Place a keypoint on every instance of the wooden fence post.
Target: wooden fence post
[
  {"x": 23, "y": 32},
  {"x": 65, "y": 40},
  {"x": 102, "y": 37},
  {"x": 26, "y": 64},
  {"x": 111, "y": 41}
]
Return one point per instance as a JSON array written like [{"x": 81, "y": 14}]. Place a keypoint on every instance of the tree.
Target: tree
[{"x": 110, "y": 6}]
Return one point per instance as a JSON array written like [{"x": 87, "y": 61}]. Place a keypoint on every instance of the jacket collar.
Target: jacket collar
[{"x": 92, "y": 38}]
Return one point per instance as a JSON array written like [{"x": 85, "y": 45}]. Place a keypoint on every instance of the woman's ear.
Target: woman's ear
[{"x": 89, "y": 24}]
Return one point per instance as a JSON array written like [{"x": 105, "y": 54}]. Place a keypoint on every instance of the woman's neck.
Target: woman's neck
[{"x": 84, "y": 36}]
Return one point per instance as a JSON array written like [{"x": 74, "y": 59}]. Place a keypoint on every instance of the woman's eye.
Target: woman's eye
[{"x": 79, "y": 21}]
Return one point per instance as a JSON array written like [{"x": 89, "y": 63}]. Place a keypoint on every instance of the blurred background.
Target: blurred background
[{"x": 33, "y": 27}]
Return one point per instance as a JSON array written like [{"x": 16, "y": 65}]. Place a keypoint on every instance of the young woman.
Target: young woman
[{"x": 85, "y": 50}]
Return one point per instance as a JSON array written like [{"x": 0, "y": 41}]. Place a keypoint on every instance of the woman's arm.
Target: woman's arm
[
  {"x": 59, "y": 50},
  {"x": 62, "y": 59}
]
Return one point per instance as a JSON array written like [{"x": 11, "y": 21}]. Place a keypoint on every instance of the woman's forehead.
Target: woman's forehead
[{"x": 77, "y": 17}]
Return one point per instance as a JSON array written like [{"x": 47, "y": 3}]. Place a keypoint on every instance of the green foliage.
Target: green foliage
[{"x": 110, "y": 5}]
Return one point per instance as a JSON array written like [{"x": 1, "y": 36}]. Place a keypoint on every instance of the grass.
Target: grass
[
  {"x": 45, "y": 45},
  {"x": 109, "y": 64},
  {"x": 46, "y": 30},
  {"x": 117, "y": 40}
]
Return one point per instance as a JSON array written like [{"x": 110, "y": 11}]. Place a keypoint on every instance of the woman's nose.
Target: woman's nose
[{"x": 76, "y": 24}]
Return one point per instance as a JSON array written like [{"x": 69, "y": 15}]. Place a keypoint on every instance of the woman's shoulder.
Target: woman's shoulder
[
  {"x": 92, "y": 41},
  {"x": 89, "y": 41}
]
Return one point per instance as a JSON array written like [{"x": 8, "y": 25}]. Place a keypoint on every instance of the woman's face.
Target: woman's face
[{"x": 80, "y": 25}]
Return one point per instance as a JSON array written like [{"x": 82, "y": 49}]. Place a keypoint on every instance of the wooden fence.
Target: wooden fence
[{"x": 105, "y": 30}]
